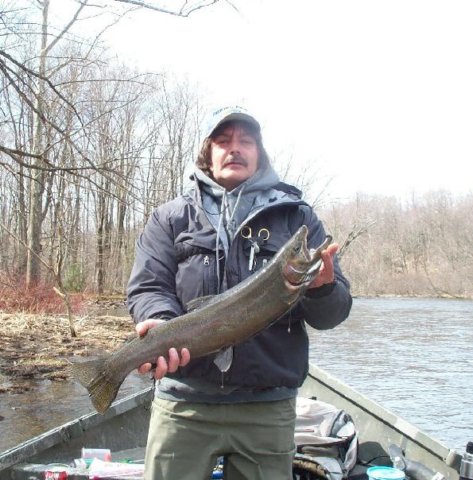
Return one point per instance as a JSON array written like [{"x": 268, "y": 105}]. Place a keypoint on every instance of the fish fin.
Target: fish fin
[
  {"x": 199, "y": 302},
  {"x": 224, "y": 359},
  {"x": 95, "y": 376}
]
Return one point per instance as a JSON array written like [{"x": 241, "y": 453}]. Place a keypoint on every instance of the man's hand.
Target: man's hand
[
  {"x": 163, "y": 365},
  {"x": 326, "y": 273}
]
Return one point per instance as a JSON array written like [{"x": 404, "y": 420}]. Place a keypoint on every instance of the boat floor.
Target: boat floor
[
  {"x": 36, "y": 471},
  {"x": 31, "y": 471}
]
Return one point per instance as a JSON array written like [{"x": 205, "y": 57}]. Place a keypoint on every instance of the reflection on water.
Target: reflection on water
[{"x": 413, "y": 356}]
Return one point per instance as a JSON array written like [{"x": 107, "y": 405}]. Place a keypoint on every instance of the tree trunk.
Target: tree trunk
[{"x": 35, "y": 214}]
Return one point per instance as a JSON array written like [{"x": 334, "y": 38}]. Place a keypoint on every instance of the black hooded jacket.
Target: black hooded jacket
[{"x": 176, "y": 262}]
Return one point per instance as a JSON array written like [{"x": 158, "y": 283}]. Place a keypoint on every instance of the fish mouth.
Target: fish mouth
[
  {"x": 306, "y": 253},
  {"x": 297, "y": 266},
  {"x": 293, "y": 276},
  {"x": 305, "y": 265},
  {"x": 297, "y": 277}
]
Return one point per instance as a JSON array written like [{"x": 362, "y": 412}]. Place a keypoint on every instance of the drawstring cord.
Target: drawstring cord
[
  {"x": 217, "y": 239},
  {"x": 224, "y": 358},
  {"x": 224, "y": 207},
  {"x": 217, "y": 258},
  {"x": 230, "y": 220}
]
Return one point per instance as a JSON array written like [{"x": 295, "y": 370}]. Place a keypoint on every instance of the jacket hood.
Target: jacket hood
[{"x": 227, "y": 210}]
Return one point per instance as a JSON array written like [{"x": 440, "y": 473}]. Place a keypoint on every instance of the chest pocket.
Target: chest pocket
[
  {"x": 185, "y": 250},
  {"x": 257, "y": 256},
  {"x": 197, "y": 271}
]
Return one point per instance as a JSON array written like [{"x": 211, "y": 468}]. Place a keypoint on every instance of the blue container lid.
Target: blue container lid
[{"x": 385, "y": 473}]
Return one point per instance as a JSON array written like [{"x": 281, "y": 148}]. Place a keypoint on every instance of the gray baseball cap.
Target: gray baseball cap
[{"x": 227, "y": 114}]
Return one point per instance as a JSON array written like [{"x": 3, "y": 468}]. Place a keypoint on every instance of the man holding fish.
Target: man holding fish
[{"x": 238, "y": 402}]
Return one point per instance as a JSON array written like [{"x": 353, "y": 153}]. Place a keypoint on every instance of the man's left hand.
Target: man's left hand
[{"x": 326, "y": 273}]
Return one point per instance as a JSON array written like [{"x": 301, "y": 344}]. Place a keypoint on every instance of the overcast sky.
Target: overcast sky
[{"x": 378, "y": 94}]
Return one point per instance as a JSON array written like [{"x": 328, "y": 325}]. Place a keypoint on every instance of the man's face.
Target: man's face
[{"x": 234, "y": 156}]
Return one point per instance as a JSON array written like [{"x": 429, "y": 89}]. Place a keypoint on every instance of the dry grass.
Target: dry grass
[{"x": 40, "y": 346}]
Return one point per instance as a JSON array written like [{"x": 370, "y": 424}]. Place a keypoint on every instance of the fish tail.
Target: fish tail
[{"x": 96, "y": 377}]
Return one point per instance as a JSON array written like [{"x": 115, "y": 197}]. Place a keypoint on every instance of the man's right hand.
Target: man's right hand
[{"x": 163, "y": 365}]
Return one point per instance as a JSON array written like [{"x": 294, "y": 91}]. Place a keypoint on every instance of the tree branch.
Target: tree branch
[
  {"x": 36, "y": 75},
  {"x": 66, "y": 28},
  {"x": 180, "y": 13}
]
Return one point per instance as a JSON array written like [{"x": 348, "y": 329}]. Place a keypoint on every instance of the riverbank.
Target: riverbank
[{"x": 40, "y": 347}]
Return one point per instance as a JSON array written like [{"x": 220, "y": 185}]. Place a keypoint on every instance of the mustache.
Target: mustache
[{"x": 235, "y": 159}]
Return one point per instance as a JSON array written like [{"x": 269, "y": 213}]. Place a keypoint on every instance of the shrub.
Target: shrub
[{"x": 37, "y": 299}]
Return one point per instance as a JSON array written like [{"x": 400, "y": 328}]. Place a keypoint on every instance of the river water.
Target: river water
[{"x": 413, "y": 356}]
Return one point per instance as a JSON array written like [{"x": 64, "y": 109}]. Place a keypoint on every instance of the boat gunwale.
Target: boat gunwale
[
  {"x": 72, "y": 429},
  {"x": 433, "y": 446},
  {"x": 75, "y": 428}
]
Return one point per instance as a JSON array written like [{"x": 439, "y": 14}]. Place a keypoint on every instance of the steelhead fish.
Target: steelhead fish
[{"x": 211, "y": 323}]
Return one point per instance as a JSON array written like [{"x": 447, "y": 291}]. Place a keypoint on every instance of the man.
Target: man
[{"x": 240, "y": 403}]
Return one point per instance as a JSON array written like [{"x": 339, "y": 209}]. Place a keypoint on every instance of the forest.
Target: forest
[{"x": 88, "y": 147}]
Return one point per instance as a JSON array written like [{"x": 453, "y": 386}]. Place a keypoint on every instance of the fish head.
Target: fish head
[{"x": 301, "y": 264}]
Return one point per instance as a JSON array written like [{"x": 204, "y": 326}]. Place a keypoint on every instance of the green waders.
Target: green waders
[{"x": 186, "y": 439}]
